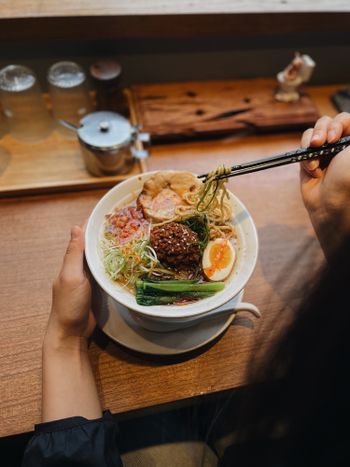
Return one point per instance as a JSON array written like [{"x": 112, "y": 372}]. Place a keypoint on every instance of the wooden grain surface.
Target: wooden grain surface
[
  {"x": 37, "y": 8},
  {"x": 195, "y": 108},
  {"x": 34, "y": 232},
  {"x": 54, "y": 164}
]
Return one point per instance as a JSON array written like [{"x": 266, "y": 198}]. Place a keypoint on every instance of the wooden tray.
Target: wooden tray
[
  {"x": 50, "y": 166},
  {"x": 55, "y": 164},
  {"x": 200, "y": 108}
]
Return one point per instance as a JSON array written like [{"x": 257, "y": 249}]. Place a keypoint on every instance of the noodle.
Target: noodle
[{"x": 213, "y": 200}]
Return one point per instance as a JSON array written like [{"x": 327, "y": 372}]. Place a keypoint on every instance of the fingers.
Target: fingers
[
  {"x": 313, "y": 170},
  {"x": 334, "y": 131},
  {"x": 83, "y": 225},
  {"x": 340, "y": 126},
  {"x": 73, "y": 269},
  {"x": 326, "y": 130},
  {"x": 85, "y": 266},
  {"x": 306, "y": 138},
  {"x": 311, "y": 167},
  {"x": 320, "y": 131}
]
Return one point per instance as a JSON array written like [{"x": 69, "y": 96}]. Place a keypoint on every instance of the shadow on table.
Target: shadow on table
[{"x": 285, "y": 255}]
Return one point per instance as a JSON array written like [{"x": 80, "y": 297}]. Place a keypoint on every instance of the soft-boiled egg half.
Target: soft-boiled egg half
[{"x": 218, "y": 259}]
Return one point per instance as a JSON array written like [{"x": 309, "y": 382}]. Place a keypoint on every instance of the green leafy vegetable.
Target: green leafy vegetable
[
  {"x": 183, "y": 286},
  {"x": 200, "y": 225},
  {"x": 166, "y": 292}
]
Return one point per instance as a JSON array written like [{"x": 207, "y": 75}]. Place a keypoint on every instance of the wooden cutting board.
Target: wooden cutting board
[{"x": 197, "y": 108}]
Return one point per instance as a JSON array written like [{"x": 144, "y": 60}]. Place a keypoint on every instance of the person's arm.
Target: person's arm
[
  {"x": 68, "y": 383},
  {"x": 73, "y": 431},
  {"x": 69, "y": 387},
  {"x": 326, "y": 193}
]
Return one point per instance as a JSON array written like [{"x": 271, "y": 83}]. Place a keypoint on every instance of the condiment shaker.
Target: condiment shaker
[{"x": 108, "y": 142}]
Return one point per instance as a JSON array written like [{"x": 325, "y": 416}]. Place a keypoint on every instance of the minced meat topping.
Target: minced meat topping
[{"x": 176, "y": 244}]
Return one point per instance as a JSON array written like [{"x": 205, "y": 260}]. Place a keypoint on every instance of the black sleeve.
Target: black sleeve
[{"x": 74, "y": 442}]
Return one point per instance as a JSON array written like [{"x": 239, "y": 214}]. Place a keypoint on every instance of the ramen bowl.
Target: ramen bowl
[{"x": 124, "y": 194}]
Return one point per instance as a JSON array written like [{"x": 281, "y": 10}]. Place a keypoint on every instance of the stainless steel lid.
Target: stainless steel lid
[{"x": 105, "y": 130}]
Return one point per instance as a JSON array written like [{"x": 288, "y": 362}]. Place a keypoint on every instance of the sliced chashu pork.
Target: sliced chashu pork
[{"x": 163, "y": 192}]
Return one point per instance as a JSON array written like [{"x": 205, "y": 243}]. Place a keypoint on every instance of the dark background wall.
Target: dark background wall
[{"x": 157, "y": 49}]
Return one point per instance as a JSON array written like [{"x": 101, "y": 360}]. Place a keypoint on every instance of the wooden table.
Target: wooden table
[{"x": 34, "y": 232}]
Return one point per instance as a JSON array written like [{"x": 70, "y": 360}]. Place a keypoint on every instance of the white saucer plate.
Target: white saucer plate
[{"x": 117, "y": 322}]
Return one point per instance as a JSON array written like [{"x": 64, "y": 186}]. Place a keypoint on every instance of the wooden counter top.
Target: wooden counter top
[
  {"x": 34, "y": 232},
  {"x": 36, "y": 8}
]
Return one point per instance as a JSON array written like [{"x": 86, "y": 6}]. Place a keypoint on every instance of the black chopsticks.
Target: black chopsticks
[{"x": 324, "y": 152}]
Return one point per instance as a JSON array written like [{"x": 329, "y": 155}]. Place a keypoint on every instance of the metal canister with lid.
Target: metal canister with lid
[{"x": 108, "y": 142}]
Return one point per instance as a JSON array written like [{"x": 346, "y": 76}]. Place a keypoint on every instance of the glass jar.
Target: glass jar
[
  {"x": 69, "y": 92},
  {"x": 23, "y": 105},
  {"x": 106, "y": 76}
]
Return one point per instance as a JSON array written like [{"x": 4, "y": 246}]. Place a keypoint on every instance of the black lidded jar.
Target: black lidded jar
[{"x": 106, "y": 75}]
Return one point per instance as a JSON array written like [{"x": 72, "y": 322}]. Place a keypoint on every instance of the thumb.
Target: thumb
[{"x": 73, "y": 262}]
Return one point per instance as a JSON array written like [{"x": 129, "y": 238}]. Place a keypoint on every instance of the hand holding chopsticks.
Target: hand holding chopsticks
[{"x": 324, "y": 152}]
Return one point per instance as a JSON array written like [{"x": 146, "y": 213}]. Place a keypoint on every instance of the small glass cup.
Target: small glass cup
[
  {"x": 69, "y": 94},
  {"x": 23, "y": 104}
]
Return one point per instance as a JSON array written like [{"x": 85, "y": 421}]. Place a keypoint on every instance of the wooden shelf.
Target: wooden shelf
[
  {"x": 64, "y": 8},
  {"x": 54, "y": 164}
]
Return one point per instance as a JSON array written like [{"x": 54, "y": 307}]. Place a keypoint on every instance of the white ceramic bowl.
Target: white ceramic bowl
[{"x": 123, "y": 194}]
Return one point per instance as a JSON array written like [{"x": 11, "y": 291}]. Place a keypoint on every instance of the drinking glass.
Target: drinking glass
[
  {"x": 69, "y": 94},
  {"x": 23, "y": 105}
]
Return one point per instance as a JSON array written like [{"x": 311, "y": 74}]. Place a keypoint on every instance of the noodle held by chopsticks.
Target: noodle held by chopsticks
[{"x": 213, "y": 200}]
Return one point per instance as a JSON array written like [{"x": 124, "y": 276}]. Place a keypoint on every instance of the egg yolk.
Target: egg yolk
[{"x": 220, "y": 256}]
